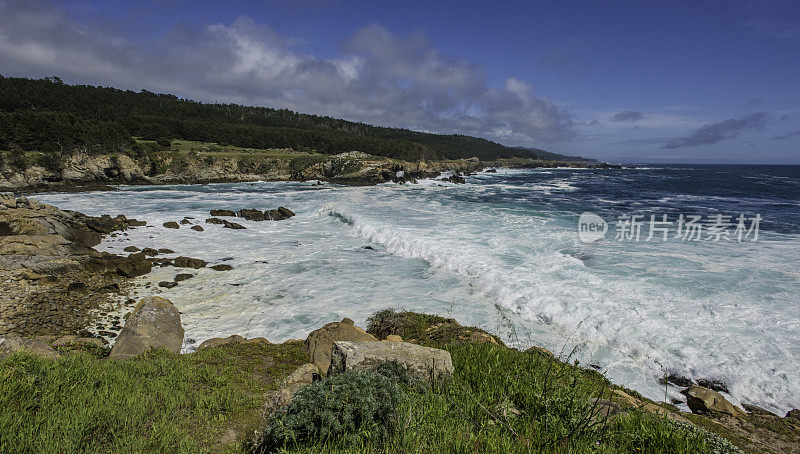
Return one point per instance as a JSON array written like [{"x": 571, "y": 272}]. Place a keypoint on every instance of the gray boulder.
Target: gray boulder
[
  {"x": 319, "y": 343},
  {"x": 154, "y": 323},
  {"x": 422, "y": 362}
]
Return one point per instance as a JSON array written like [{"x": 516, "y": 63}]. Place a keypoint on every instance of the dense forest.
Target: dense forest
[{"x": 50, "y": 116}]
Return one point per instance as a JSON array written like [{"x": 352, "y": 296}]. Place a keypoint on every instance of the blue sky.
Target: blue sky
[{"x": 689, "y": 82}]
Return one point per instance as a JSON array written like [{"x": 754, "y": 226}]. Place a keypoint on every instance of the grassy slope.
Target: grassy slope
[{"x": 193, "y": 403}]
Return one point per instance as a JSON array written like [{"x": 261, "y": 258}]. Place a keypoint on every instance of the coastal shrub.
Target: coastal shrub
[
  {"x": 352, "y": 407},
  {"x": 164, "y": 142}
]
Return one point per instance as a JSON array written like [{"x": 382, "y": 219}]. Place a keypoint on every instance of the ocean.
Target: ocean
[{"x": 717, "y": 300}]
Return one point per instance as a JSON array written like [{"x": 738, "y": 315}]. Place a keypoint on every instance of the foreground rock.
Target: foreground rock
[
  {"x": 304, "y": 375},
  {"x": 154, "y": 323},
  {"x": 33, "y": 346},
  {"x": 319, "y": 343},
  {"x": 703, "y": 400},
  {"x": 424, "y": 363}
]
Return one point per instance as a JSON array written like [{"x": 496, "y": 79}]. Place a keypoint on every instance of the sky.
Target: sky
[{"x": 624, "y": 81}]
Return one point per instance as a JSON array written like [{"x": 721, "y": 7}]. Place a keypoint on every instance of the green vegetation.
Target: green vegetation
[
  {"x": 500, "y": 400},
  {"x": 49, "y": 116},
  {"x": 158, "y": 402}
]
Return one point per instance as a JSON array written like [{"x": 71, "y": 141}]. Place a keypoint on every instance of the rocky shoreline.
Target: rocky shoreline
[
  {"x": 84, "y": 172},
  {"x": 57, "y": 291}
]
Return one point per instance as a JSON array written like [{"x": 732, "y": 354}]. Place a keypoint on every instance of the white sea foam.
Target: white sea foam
[{"x": 722, "y": 311}]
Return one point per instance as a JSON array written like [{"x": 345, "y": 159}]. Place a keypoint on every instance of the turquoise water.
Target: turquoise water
[{"x": 504, "y": 247}]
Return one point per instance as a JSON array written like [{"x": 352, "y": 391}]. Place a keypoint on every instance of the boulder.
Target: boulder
[
  {"x": 540, "y": 351},
  {"x": 704, "y": 400},
  {"x": 165, "y": 251},
  {"x": 149, "y": 252},
  {"x": 394, "y": 338},
  {"x": 319, "y": 343},
  {"x": 197, "y": 228},
  {"x": 36, "y": 347},
  {"x": 154, "y": 323},
  {"x": 217, "y": 221},
  {"x": 188, "y": 262},
  {"x": 185, "y": 221},
  {"x": 131, "y": 249},
  {"x": 183, "y": 276},
  {"x": 221, "y": 267},
  {"x": 304, "y": 375},
  {"x": 217, "y": 341},
  {"x": 167, "y": 284},
  {"x": 252, "y": 215},
  {"x": 171, "y": 225},
  {"x": 424, "y": 363},
  {"x": 222, "y": 213}
]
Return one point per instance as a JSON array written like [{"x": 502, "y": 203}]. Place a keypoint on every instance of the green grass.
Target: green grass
[{"x": 157, "y": 402}]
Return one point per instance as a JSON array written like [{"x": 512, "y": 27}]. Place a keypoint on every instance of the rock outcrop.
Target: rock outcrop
[
  {"x": 37, "y": 347},
  {"x": 704, "y": 400},
  {"x": 319, "y": 343},
  {"x": 155, "y": 323},
  {"x": 425, "y": 363}
]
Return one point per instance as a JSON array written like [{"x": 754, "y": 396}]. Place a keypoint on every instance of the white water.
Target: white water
[{"x": 702, "y": 310}]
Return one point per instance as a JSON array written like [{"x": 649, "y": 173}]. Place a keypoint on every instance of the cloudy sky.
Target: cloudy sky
[{"x": 639, "y": 81}]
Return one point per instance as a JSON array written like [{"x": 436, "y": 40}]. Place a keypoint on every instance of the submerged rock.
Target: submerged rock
[
  {"x": 183, "y": 276},
  {"x": 424, "y": 363},
  {"x": 252, "y": 215},
  {"x": 222, "y": 213},
  {"x": 171, "y": 225},
  {"x": 232, "y": 225},
  {"x": 168, "y": 284},
  {"x": 704, "y": 400},
  {"x": 221, "y": 267},
  {"x": 197, "y": 228},
  {"x": 188, "y": 262},
  {"x": 154, "y": 323}
]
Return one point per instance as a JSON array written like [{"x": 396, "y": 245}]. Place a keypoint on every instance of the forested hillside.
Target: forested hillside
[{"x": 49, "y": 116}]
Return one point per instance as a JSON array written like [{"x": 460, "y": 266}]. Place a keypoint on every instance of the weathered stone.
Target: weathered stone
[
  {"x": 756, "y": 410},
  {"x": 252, "y": 215},
  {"x": 221, "y": 267},
  {"x": 154, "y": 323},
  {"x": 217, "y": 341},
  {"x": 302, "y": 376},
  {"x": 171, "y": 225},
  {"x": 319, "y": 342},
  {"x": 197, "y": 228},
  {"x": 188, "y": 262},
  {"x": 36, "y": 347},
  {"x": 649, "y": 407},
  {"x": 185, "y": 221},
  {"x": 793, "y": 414},
  {"x": 704, "y": 400},
  {"x": 222, "y": 213},
  {"x": 602, "y": 409},
  {"x": 423, "y": 362}
]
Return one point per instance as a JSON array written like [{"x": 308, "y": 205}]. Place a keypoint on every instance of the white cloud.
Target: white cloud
[{"x": 379, "y": 78}]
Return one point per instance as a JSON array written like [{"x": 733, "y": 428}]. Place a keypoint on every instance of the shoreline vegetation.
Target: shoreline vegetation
[
  {"x": 409, "y": 382},
  {"x": 59, "y": 137}
]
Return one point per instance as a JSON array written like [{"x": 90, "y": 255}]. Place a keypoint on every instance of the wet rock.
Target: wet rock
[
  {"x": 369, "y": 248},
  {"x": 150, "y": 252},
  {"x": 131, "y": 249},
  {"x": 222, "y": 213},
  {"x": 319, "y": 342},
  {"x": 167, "y": 284},
  {"x": 171, "y": 225},
  {"x": 221, "y": 267},
  {"x": 188, "y": 262},
  {"x": 287, "y": 213},
  {"x": 704, "y": 400},
  {"x": 274, "y": 215},
  {"x": 677, "y": 380},
  {"x": 491, "y": 171},
  {"x": 217, "y": 221},
  {"x": 154, "y": 323},
  {"x": 714, "y": 385},
  {"x": 185, "y": 221},
  {"x": 424, "y": 363},
  {"x": 793, "y": 414},
  {"x": 756, "y": 410},
  {"x": 165, "y": 251},
  {"x": 183, "y": 276},
  {"x": 232, "y": 225},
  {"x": 252, "y": 215},
  {"x": 197, "y": 228},
  {"x": 36, "y": 347}
]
